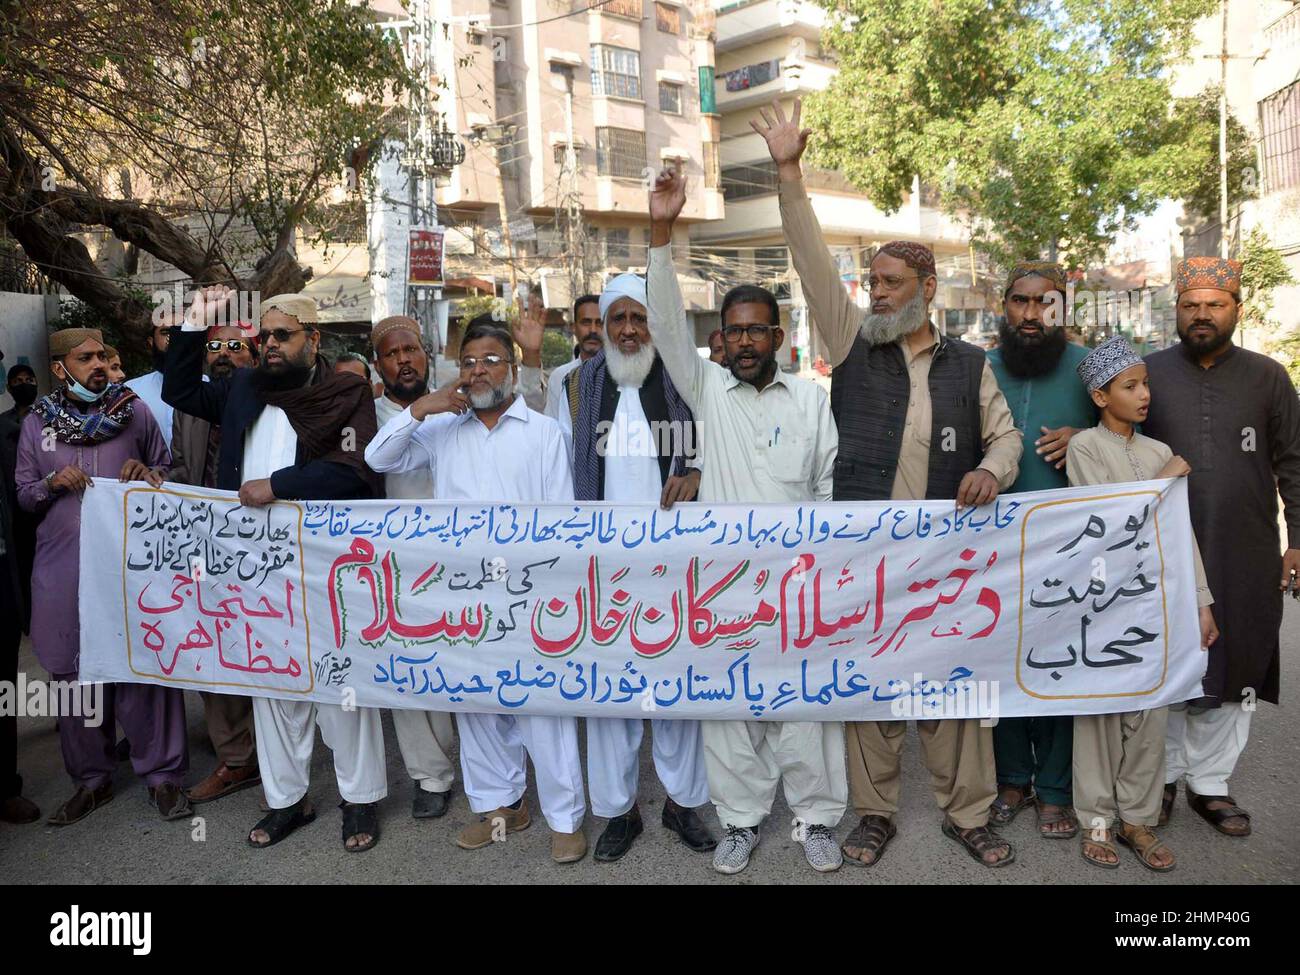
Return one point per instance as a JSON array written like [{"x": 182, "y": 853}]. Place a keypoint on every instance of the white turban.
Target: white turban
[{"x": 624, "y": 286}]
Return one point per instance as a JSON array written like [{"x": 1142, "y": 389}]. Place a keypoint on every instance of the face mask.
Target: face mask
[
  {"x": 82, "y": 393},
  {"x": 24, "y": 394}
]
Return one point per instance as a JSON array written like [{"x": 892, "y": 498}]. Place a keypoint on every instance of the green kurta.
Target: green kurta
[{"x": 1056, "y": 399}]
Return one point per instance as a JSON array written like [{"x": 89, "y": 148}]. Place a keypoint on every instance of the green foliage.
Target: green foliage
[
  {"x": 1048, "y": 122},
  {"x": 1262, "y": 269},
  {"x": 557, "y": 348}
]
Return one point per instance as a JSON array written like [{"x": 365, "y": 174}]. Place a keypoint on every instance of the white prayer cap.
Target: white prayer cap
[
  {"x": 624, "y": 286},
  {"x": 299, "y": 306}
]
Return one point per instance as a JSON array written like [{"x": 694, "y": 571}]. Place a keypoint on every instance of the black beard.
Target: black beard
[
  {"x": 1206, "y": 346},
  {"x": 286, "y": 377},
  {"x": 221, "y": 369},
  {"x": 409, "y": 392},
  {"x": 1029, "y": 359},
  {"x": 159, "y": 359},
  {"x": 765, "y": 373}
]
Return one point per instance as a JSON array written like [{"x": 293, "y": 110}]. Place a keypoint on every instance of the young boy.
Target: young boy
[{"x": 1119, "y": 759}]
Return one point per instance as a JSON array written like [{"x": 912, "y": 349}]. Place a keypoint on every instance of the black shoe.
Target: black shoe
[
  {"x": 429, "y": 805},
  {"x": 687, "y": 825},
  {"x": 617, "y": 838}
]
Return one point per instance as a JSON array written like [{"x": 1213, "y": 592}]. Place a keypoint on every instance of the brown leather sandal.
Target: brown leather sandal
[
  {"x": 1090, "y": 838},
  {"x": 1145, "y": 844},
  {"x": 1062, "y": 814},
  {"x": 979, "y": 840},
  {"x": 871, "y": 836}
]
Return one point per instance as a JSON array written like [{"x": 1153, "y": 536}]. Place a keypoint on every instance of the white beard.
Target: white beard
[
  {"x": 882, "y": 329},
  {"x": 494, "y": 397},
  {"x": 628, "y": 370}
]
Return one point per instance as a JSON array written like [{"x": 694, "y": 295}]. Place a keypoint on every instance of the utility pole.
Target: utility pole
[
  {"x": 1223, "y": 131},
  {"x": 505, "y": 220}
]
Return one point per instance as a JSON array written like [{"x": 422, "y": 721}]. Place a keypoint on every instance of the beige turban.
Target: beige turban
[
  {"x": 391, "y": 324},
  {"x": 66, "y": 339},
  {"x": 300, "y": 306}
]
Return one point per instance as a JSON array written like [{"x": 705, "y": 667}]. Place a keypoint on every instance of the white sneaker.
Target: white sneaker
[
  {"x": 732, "y": 855},
  {"x": 822, "y": 851}
]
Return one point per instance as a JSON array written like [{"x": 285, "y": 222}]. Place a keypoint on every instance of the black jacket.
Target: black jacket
[{"x": 233, "y": 404}]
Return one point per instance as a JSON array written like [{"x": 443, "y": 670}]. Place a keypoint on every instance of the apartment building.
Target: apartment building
[
  {"x": 771, "y": 50},
  {"x": 567, "y": 111},
  {"x": 1263, "y": 42}
]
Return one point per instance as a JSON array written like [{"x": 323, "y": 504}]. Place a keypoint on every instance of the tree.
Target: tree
[
  {"x": 1263, "y": 268},
  {"x": 204, "y": 133},
  {"x": 1047, "y": 123}
]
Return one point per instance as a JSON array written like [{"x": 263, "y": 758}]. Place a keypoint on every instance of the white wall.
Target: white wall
[{"x": 23, "y": 339}]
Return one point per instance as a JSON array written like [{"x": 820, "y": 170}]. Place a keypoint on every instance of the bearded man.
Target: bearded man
[
  {"x": 615, "y": 403},
  {"x": 920, "y": 415},
  {"x": 423, "y": 737},
  {"x": 196, "y": 448},
  {"x": 282, "y": 437},
  {"x": 1035, "y": 367},
  {"x": 1234, "y": 416}
]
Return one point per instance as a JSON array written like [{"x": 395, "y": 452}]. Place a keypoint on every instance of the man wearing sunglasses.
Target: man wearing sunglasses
[
  {"x": 291, "y": 428},
  {"x": 920, "y": 415},
  {"x": 196, "y": 448},
  {"x": 478, "y": 440}
]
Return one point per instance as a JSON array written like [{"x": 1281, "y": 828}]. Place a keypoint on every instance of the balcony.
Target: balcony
[
  {"x": 797, "y": 76},
  {"x": 747, "y": 23}
]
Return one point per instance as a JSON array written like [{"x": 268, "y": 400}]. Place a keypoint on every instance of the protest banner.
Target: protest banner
[{"x": 1057, "y": 602}]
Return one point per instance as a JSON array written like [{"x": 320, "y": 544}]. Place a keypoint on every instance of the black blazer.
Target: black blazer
[{"x": 233, "y": 404}]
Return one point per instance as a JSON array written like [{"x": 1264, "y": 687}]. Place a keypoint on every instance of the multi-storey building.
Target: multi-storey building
[
  {"x": 568, "y": 111},
  {"x": 771, "y": 50}
]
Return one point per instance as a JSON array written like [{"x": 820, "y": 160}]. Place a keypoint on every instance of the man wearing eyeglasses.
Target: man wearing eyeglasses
[
  {"x": 291, "y": 428},
  {"x": 765, "y": 437},
  {"x": 196, "y": 447},
  {"x": 920, "y": 415},
  {"x": 479, "y": 441}
]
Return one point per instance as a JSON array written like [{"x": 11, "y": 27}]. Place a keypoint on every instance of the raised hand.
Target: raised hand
[
  {"x": 785, "y": 140},
  {"x": 530, "y": 328},
  {"x": 209, "y": 305},
  {"x": 667, "y": 195}
]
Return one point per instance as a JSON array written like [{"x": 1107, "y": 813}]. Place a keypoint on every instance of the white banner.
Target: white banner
[{"x": 1057, "y": 602}]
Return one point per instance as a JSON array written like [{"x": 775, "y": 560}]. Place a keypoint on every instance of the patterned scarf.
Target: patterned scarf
[
  {"x": 101, "y": 422},
  {"x": 590, "y": 377}
]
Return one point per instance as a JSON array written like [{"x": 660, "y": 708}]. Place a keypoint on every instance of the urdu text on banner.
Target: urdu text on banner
[{"x": 1076, "y": 601}]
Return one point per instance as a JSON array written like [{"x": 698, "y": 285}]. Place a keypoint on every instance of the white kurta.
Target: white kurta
[
  {"x": 774, "y": 444},
  {"x": 614, "y": 744},
  {"x": 423, "y": 737},
  {"x": 149, "y": 388},
  {"x": 521, "y": 459},
  {"x": 286, "y": 730}
]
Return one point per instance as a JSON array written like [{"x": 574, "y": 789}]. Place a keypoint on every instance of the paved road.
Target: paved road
[{"x": 125, "y": 842}]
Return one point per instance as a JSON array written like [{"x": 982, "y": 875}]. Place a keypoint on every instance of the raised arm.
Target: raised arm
[
  {"x": 834, "y": 316},
  {"x": 669, "y": 328},
  {"x": 183, "y": 386}
]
